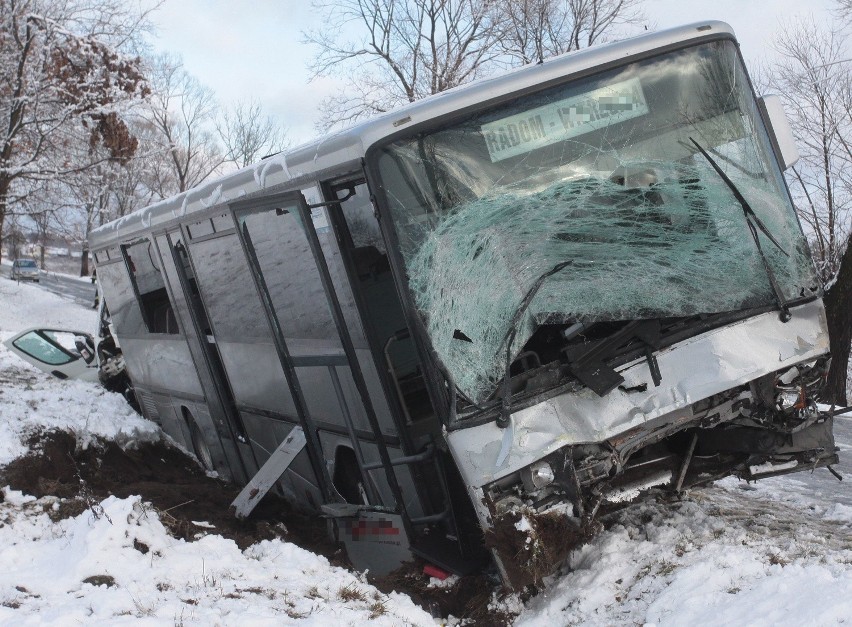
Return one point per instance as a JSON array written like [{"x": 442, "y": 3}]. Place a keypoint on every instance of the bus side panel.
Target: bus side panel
[
  {"x": 327, "y": 399},
  {"x": 261, "y": 382},
  {"x": 181, "y": 283},
  {"x": 160, "y": 366},
  {"x": 174, "y": 415},
  {"x": 297, "y": 484},
  {"x": 156, "y": 360},
  {"x": 163, "y": 363},
  {"x": 374, "y": 386},
  {"x": 157, "y": 408},
  {"x": 332, "y": 442},
  {"x": 249, "y": 357}
]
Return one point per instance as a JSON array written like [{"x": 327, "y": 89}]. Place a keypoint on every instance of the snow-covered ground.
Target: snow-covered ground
[
  {"x": 729, "y": 555},
  {"x": 774, "y": 553}
]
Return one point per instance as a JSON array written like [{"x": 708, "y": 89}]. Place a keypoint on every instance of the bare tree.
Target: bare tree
[
  {"x": 181, "y": 113},
  {"x": 814, "y": 76},
  {"x": 98, "y": 195},
  {"x": 533, "y": 30},
  {"x": 813, "y": 79},
  {"x": 62, "y": 81},
  {"x": 400, "y": 51},
  {"x": 42, "y": 220},
  {"x": 14, "y": 238},
  {"x": 248, "y": 134}
]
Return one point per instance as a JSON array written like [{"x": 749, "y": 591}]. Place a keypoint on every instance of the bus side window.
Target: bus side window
[
  {"x": 124, "y": 309},
  {"x": 157, "y": 311},
  {"x": 383, "y": 314}
]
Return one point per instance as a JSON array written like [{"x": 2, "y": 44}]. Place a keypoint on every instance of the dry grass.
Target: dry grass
[{"x": 351, "y": 593}]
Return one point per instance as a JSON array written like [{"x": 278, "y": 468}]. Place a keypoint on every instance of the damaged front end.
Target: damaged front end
[
  {"x": 542, "y": 482},
  {"x": 616, "y": 300}
]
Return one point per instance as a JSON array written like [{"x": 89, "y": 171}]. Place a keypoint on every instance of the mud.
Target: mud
[
  {"x": 164, "y": 476},
  {"x": 536, "y": 547},
  {"x": 467, "y": 599}
]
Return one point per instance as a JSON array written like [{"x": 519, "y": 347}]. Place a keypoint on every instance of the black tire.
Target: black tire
[
  {"x": 199, "y": 445},
  {"x": 347, "y": 476}
]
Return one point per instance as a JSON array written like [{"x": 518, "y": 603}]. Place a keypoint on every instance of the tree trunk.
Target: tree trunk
[
  {"x": 838, "y": 309},
  {"x": 84, "y": 262},
  {"x": 4, "y": 194}
]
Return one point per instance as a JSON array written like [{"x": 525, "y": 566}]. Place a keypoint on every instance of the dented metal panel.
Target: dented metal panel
[{"x": 691, "y": 370}]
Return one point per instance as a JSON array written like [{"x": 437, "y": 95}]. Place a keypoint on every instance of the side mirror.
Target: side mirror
[
  {"x": 780, "y": 133},
  {"x": 86, "y": 347}
]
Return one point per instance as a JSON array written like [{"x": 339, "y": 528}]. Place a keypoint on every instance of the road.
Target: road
[{"x": 81, "y": 292}]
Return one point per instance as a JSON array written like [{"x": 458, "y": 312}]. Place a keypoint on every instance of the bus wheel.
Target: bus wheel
[
  {"x": 199, "y": 444},
  {"x": 347, "y": 475}
]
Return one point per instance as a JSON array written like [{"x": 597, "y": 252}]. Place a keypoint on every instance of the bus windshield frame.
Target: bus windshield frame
[{"x": 601, "y": 172}]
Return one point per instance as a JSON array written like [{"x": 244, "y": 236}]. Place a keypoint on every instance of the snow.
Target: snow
[
  {"x": 727, "y": 555},
  {"x": 31, "y": 400},
  {"x": 92, "y": 569},
  {"x": 523, "y": 525},
  {"x": 776, "y": 552}
]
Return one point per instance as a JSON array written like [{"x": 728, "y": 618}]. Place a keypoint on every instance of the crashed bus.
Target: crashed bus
[{"x": 465, "y": 329}]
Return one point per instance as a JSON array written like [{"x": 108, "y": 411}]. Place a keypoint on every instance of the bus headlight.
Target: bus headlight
[
  {"x": 537, "y": 476},
  {"x": 787, "y": 399}
]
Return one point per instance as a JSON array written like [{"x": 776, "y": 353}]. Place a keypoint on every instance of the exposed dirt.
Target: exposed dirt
[
  {"x": 532, "y": 545},
  {"x": 182, "y": 493},
  {"x": 468, "y": 598},
  {"x": 162, "y": 475}
]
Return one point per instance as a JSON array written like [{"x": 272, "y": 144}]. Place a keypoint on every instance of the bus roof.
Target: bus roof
[{"x": 351, "y": 144}]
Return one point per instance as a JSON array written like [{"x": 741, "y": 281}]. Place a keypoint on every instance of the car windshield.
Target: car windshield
[
  {"x": 47, "y": 346},
  {"x": 26, "y": 263},
  {"x": 602, "y": 173}
]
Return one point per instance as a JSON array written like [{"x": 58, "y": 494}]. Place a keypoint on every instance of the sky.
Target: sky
[{"x": 252, "y": 49}]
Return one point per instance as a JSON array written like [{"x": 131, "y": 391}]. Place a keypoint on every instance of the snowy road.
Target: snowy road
[{"x": 81, "y": 291}]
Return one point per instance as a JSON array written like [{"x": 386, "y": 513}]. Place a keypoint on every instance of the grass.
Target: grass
[{"x": 351, "y": 593}]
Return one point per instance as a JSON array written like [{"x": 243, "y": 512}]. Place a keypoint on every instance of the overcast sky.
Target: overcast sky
[{"x": 252, "y": 48}]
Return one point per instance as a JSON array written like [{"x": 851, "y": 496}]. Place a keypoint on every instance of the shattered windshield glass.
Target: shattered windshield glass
[{"x": 600, "y": 172}]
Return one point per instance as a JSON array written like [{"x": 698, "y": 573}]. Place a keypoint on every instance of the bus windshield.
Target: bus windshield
[{"x": 602, "y": 172}]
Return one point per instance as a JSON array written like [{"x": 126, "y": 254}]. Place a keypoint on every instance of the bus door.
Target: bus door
[
  {"x": 391, "y": 356},
  {"x": 359, "y": 264},
  {"x": 315, "y": 348},
  {"x": 205, "y": 354},
  {"x": 239, "y": 343}
]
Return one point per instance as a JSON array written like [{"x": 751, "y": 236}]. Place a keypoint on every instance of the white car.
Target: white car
[
  {"x": 24, "y": 270},
  {"x": 76, "y": 355},
  {"x": 64, "y": 354}
]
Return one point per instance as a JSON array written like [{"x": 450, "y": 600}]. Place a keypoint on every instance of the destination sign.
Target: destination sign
[{"x": 563, "y": 119}]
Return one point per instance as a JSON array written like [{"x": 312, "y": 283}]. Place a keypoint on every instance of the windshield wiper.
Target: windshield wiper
[
  {"x": 506, "y": 405},
  {"x": 754, "y": 223},
  {"x": 588, "y": 363}
]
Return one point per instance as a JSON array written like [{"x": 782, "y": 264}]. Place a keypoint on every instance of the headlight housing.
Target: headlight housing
[{"x": 537, "y": 476}]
